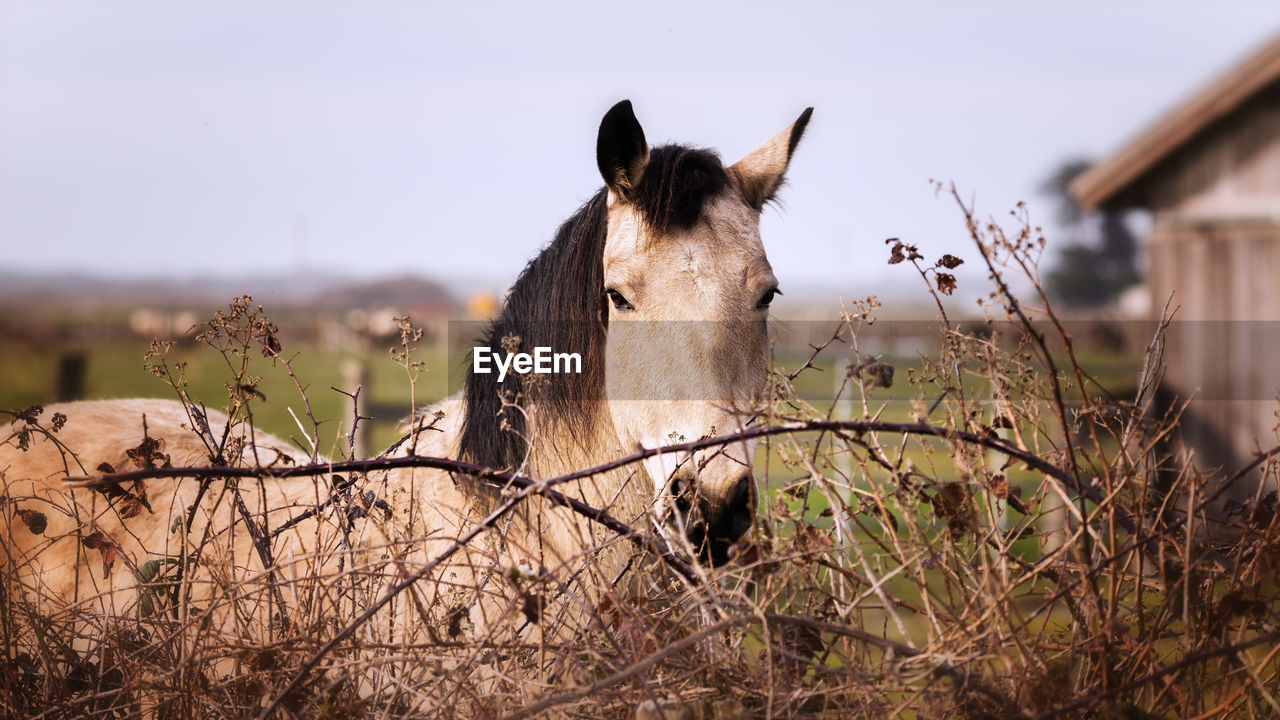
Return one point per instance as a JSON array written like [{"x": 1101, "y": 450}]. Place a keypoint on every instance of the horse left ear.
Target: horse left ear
[{"x": 759, "y": 175}]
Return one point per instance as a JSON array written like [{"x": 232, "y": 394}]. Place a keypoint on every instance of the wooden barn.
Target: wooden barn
[{"x": 1209, "y": 173}]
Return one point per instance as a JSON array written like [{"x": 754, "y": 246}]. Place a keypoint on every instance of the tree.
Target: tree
[{"x": 1099, "y": 259}]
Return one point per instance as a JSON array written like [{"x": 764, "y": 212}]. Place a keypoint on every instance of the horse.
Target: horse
[{"x": 661, "y": 285}]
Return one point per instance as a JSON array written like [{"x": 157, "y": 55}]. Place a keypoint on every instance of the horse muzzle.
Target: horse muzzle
[{"x": 712, "y": 525}]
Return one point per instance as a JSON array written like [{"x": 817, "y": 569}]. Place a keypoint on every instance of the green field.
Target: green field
[{"x": 116, "y": 371}]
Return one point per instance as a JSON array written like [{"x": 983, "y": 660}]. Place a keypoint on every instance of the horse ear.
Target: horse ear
[
  {"x": 621, "y": 151},
  {"x": 760, "y": 173}
]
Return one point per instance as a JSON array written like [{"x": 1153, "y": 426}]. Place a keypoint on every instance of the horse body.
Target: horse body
[
  {"x": 92, "y": 551},
  {"x": 665, "y": 263}
]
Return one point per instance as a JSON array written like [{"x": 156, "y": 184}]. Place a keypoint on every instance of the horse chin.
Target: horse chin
[
  {"x": 716, "y": 553},
  {"x": 712, "y": 551}
]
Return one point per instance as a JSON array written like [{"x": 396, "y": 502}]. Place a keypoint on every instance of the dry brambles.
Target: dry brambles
[{"x": 1011, "y": 542}]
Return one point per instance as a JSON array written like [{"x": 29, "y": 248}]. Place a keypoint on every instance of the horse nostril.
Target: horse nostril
[
  {"x": 681, "y": 490},
  {"x": 741, "y": 507},
  {"x": 731, "y": 521}
]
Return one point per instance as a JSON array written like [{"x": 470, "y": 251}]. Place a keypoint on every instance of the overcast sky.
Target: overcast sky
[{"x": 219, "y": 138}]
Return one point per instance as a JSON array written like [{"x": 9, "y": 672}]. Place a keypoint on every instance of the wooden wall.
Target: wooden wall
[
  {"x": 1229, "y": 172},
  {"x": 1215, "y": 244},
  {"x": 1226, "y": 343}
]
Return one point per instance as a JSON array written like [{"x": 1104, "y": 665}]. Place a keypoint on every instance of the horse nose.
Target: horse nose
[{"x": 711, "y": 526}]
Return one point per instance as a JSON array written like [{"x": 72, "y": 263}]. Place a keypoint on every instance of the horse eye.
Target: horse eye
[
  {"x": 618, "y": 300},
  {"x": 767, "y": 298}
]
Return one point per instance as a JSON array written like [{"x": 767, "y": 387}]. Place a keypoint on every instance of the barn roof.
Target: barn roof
[{"x": 1102, "y": 183}]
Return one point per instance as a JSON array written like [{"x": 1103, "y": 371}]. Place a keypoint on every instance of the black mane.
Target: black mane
[{"x": 558, "y": 302}]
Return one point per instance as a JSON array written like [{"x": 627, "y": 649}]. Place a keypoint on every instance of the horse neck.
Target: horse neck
[
  {"x": 621, "y": 492},
  {"x": 565, "y": 539}
]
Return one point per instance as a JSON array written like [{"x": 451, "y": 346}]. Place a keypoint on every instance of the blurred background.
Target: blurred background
[{"x": 348, "y": 163}]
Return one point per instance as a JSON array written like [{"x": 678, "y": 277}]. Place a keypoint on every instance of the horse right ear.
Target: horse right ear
[{"x": 621, "y": 152}]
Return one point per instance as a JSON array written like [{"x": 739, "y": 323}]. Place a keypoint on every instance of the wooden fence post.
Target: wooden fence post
[{"x": 69, "y": 382}]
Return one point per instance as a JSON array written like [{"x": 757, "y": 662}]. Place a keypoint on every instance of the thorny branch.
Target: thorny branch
[{"x": 502, "y": 477}]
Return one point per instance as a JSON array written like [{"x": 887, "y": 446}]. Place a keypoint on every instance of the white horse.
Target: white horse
[{"x": 660, "y": 282}]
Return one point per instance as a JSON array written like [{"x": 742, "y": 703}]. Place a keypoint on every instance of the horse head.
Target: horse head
[{"x": 686, "y": 289}]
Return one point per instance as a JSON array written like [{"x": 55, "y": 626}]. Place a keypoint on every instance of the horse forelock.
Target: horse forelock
[
  {"x": 558, "y": 302},
  {"x": 677, "y": 184}
]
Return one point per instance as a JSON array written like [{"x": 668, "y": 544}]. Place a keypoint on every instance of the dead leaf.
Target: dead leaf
[
  {"x": 103, "y": 544},
  {"x": 270, "y": 344},
  {"x": 812, "y": 539},
  {"x": 1014, "y": 499},
  {"x": 797, "y": 489},
  {"x": 950, "y": 503},
  {"x": 131, "y": 503},
  {"x": 1000, "y": 487},
  {"x": 30, "y": 416},
  {"x": 149, "y": 454},
  {"x": 134, "y": 501},
  {"x": 901, "y": 251},
  {"x": 35, "y": 520},
  {"x": 949, "y": 499},
  {"x": 459, "y": 622},
  {"x": 946, "y": 283},
  {"x": 800, "y": 645},
  {"x": 872, "y": 372}
]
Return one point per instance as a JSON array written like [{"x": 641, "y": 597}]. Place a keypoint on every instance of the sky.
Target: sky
[{"x": 216, "y": 139}]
